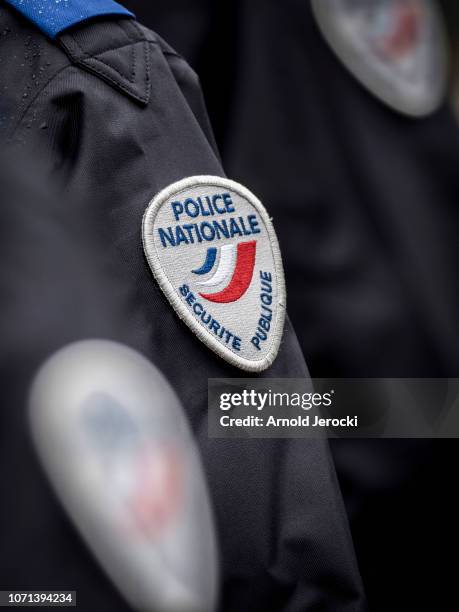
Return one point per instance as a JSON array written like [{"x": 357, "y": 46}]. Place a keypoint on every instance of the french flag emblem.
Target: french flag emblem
[{"x": 235, "y": 265}]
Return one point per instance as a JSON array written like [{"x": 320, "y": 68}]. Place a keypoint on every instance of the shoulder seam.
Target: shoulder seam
[
  {"x": 146, "y": 42},
  {"x": 96, "y": 58},
  {"x": 126, "y": 77},
  {"x": 35, "y": 98}
]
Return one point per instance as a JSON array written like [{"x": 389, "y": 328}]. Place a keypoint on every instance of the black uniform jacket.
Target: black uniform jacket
[
  {"x": 115, "y": 115},
  {"x": 365, "y": 204}
]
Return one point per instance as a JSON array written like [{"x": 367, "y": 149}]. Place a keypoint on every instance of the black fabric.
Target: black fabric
[
  {"x": 365, "y": 204},
  {"x": 73, "y": 267}
]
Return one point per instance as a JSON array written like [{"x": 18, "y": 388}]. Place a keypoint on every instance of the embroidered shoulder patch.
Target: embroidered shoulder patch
[
  {"x": 116, "y": 445},
  {"x": 395, "y": 48},
  {"x": 213, "y": 251}
]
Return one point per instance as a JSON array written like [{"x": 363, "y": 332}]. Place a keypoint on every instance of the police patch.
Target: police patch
[
  {"x": 395, "y": 48},
  {"x": 213, "y": 250},
  {"x": 115, "y": 443}
]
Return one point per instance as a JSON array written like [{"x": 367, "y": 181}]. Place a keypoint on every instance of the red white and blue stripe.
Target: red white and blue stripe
[{"x": 235, "y": 267}]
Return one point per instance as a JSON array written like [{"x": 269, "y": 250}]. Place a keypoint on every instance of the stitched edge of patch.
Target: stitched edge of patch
[{"x": 170, "y": 292}]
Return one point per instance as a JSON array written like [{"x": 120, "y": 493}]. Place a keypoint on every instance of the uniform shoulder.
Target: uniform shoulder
[
  {"x": 114, "y": 48},
  {"x": 37, "y": 45},
  {"x": 28, "y": 61}
]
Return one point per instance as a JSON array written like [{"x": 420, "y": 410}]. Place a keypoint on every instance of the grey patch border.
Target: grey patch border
[
  {"x": 353, "y": 62},
  {"x": 170, "y": 292}
]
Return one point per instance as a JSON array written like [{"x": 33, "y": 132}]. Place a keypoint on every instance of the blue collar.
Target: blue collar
[{"x": 55, "y": 16}]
